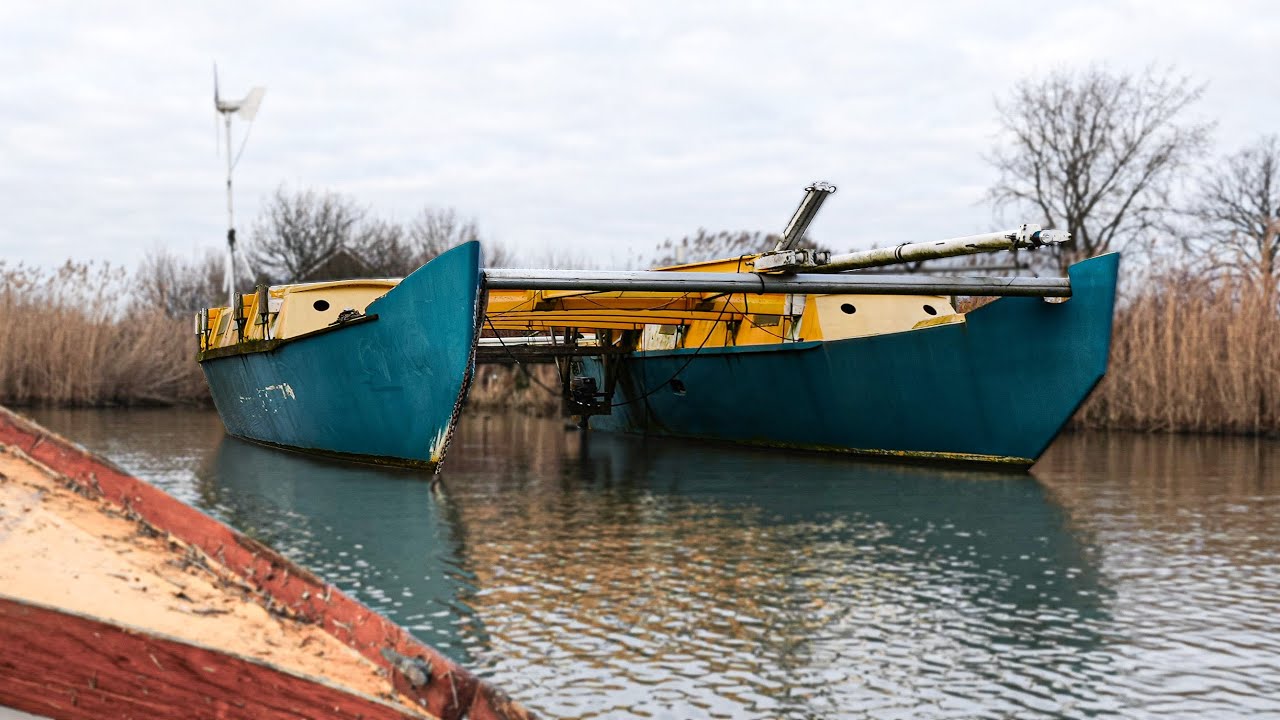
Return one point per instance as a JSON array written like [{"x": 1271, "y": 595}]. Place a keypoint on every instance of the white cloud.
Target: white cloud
[{"x": 588, "y": 127}]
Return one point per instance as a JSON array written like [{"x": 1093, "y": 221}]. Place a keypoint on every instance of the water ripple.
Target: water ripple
[{"x": 608, "y": 577}]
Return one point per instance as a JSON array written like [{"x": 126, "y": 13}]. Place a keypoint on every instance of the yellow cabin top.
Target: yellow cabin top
[
  {"x": 293, "y": 310},
  {"x": 664, "y": 320}
]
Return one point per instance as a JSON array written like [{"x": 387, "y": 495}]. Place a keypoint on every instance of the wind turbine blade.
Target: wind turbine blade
[
  {"x": 249, "y": 106},
  {"x": 217, "y": 109}
]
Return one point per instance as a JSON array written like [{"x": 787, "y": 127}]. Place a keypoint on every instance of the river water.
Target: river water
[{"x": 603, "y": 576}]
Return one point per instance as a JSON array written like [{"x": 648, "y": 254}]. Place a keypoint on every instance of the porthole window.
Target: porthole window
[
  {"x": 848, "y": 309},
  {"x": 930, "y": 309},
  {"x": 677, "y": 386},
  {"x": 320, "y": 305}
]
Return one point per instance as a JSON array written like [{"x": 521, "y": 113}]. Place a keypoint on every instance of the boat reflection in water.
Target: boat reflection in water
[
  {"x": 664, "y": 576},
  {"x": 616, "y": 574},
  {"x": 374, "y": 532},
  {"x": 624, "y": 576}
]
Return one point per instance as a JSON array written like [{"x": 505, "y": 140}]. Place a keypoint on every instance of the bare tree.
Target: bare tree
[
  {"x": 385, "y": 249},
  {"x": 176, "y": 286},
  {"x": 308, "y": 235},
  {"x": 298, "y": 231},
  {"x": 499, "y": 255},
  {"x": 432, "y": 233},
  {"x": 435, "y": 230},
  {"x": 1237, "y": 210},
  {"x": 1094, "y": 152}
]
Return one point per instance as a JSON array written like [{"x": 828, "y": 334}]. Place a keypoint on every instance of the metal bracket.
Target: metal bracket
[
  {"x": 785, "y": 256},
  {"x": 810, "y": 204},
  {"x": 416, "y": 671},
  {"x": 792, "y": 260},
  {"x": 1031, "y": 235}
]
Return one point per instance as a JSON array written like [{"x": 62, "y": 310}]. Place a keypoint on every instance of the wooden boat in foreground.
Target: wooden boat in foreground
[
  {"x": 787, "y": 348},
  {"x": 117, "y": 600}
]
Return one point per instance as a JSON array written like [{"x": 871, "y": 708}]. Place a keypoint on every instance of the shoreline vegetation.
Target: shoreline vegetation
[{"x": 1191, "y": 353}]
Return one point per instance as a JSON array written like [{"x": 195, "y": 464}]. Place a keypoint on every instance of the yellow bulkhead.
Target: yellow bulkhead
[{"x": 294, "y": 310}]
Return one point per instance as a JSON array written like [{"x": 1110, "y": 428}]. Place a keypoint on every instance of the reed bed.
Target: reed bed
[
  {"x": 75, "y": 336},
  {"x": 1192, "y": 354}
]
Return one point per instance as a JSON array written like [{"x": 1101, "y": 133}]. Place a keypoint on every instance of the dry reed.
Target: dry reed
[
  {"x": 75, "y": 337},
  {"x": 1192, "y": 354}
]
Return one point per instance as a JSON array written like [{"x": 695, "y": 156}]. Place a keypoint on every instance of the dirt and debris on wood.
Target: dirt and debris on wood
[{"x": 61, "y": 549}]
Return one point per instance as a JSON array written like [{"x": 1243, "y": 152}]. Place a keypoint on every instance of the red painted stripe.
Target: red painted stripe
[{"x": 69, "y": 666}]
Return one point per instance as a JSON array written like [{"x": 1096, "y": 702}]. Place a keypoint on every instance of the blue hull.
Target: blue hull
[
  {"x": 997, "y": 388},
  {"x": 384, "y": 390}
]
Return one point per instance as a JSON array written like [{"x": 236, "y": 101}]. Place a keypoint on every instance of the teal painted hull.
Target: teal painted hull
[
  {"x": 997, "y": 388},
  {"x": 385, "y": 390}
]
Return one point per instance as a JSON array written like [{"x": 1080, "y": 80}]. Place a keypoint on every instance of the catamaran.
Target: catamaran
[{"x": 790, "y": 348}]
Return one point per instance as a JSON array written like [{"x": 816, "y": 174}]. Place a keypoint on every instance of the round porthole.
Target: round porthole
[
  {"x": 320, "y": 305},
  {"x": 848, "y": 309},
  {"x": 677, "y": 386},
  {"x": 929, "y": 309}
]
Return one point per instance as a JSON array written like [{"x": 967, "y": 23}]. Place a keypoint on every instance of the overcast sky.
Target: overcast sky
[{"x": 585, "y": 128}]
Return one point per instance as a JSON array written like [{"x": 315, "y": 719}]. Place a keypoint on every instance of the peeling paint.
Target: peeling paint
[{"x": 283, "y": 388}]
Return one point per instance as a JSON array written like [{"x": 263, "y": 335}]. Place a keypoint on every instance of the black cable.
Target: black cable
[
  {"x": 663, "y": 306},
  {"x": 746, "y": 306},
  {"x": 727, "y": 304},
  {"x": 519, "y": 364},
  {"x": 651, "y": 391},
  {"x": 664, "y": 383},
  {"x": 512, "y": 308},
  {"x": 758, "y": 326}
]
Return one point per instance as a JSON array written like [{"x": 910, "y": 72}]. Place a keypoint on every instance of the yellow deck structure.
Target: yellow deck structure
[
  {"x": 664, "y": 320},
  {"x": 706, "y": 319}
]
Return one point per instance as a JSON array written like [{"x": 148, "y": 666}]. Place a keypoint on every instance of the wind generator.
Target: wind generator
[{"x": 246, "y": 109}]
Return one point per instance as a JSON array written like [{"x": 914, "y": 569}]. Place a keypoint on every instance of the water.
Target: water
[{"x": 609, "y": 576}]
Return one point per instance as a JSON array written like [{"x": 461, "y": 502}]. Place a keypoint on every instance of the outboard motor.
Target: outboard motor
[{"x": 584, "y": 393}]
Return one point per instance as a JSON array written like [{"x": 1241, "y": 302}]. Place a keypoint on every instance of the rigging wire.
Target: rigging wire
[
  {"x": 695, "y": 353},
  {"x": 513, "y": 308},
  {"x": 520, "y": 365},
  {"x": 651, "y": 391},
  {"x": 663, "y": 306},
  {"x": 714, "y": 323},
  {"x": 245, "y": 141},
  {"x": 675, "y": 375},
  {"x": 746, "y": 314}
]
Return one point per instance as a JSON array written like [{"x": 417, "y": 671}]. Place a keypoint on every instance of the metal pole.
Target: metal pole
[
  {"x": 688, "y": 282},
  {"x": 1026, "y": 236},
  {"x": 810, "y": 204},
  {"x": 231, "y": 225}
]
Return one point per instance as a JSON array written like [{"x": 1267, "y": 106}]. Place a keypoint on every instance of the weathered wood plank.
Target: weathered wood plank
[
  {"x": 282, "y": 586},
  {"x": 73, "y": 666}
]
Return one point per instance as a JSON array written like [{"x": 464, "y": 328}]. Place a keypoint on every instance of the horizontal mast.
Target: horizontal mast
[
  {"x": 1027, "y": 236},
  {"x": 716, "y": 282}
]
